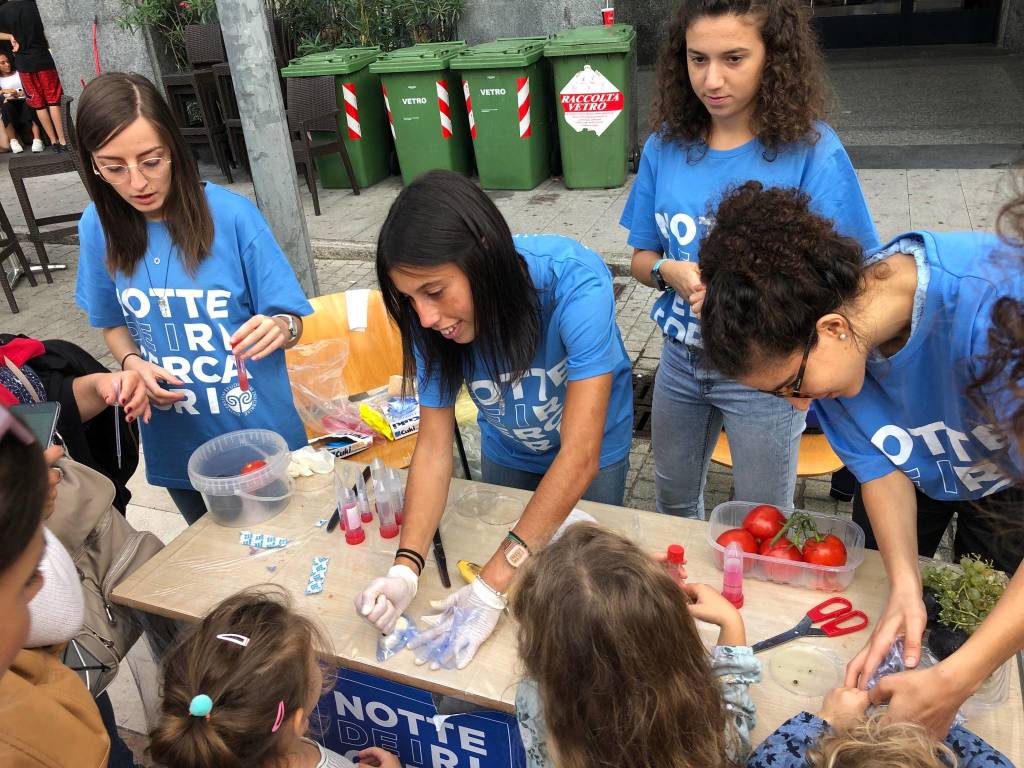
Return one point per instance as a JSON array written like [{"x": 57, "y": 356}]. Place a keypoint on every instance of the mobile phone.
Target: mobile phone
[{"x": 41, "y": 418}]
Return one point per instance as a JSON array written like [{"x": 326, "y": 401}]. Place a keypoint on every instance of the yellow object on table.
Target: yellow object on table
[{"x": 206, "y": 564}]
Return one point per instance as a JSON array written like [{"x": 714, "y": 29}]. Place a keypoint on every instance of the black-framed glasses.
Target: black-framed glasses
[{"x": 793, "y": 389}]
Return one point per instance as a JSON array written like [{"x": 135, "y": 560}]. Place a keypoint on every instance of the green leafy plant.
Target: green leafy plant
[
  {"x": 966, "y": 593},
  {"x": 167, "y": 19}
]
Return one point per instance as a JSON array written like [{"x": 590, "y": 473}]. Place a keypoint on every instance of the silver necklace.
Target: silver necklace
[{"x": 161, "y": 300}]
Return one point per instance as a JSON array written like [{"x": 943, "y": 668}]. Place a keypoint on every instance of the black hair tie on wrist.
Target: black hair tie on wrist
[{"x": 412, "y": 555}]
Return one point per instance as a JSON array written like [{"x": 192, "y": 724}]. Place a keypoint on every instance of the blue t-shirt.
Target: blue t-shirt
[
  {"x": 519, "y": 425},
  {"x": 912, "y": 414},
  {"x": 245, "y": 274},
  {"x": 788, "y": 746},
  {"x": 670, "y": 208}
]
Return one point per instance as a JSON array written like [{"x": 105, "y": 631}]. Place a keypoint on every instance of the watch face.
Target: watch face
[{"x": 515, "y": 553}]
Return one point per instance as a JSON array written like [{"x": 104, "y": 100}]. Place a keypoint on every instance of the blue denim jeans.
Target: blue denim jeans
[
  {"x": 690, "y": 405},
  {"x": 609, "y": 487}
]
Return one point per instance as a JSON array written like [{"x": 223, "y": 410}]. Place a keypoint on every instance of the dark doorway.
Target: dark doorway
[{"x": 861, "y": 23}]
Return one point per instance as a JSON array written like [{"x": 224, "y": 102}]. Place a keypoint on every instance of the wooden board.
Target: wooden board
[{"x": 206, "y": 564}]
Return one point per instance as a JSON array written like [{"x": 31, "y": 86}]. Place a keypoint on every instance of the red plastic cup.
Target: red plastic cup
[{"x": 608, "y": 16}]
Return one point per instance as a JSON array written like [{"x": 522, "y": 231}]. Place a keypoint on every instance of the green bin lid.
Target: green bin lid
[
  {"x": 424, "y": 57},
  {"x": 617, "y": 38},
  {"x": 340, "y": 61},
  {"x": 505, "y": 52}
]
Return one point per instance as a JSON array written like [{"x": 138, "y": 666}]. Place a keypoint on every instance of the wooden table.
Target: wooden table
[{"x": 206, "y": 564}]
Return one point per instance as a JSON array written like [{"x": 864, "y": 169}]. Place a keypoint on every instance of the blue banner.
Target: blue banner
[{"x": 366, "y": 711}]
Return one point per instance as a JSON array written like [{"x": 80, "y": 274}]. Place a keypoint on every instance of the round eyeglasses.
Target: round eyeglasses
[{"x": 152, "y": 168}]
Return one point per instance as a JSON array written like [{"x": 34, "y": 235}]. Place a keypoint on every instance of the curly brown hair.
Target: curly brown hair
[
  {"x": 772, "y": 268},
  {"x": 793, "y": 94},
  {"x": 623, "y": 676},
  {"x": 1002, "y": 378}
]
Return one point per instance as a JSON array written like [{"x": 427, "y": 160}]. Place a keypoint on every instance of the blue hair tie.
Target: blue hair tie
[{"x": 200, "y": 706}]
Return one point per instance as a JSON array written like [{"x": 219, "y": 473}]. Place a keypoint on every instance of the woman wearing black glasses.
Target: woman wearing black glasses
[
  {"x": 185, "y": 279},
  {"x": 890, "y": 347}
]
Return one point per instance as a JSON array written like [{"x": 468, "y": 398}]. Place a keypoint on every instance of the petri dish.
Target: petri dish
[
  {"x": 489, "y": 507},
  {"x": 805, "y": 670}
]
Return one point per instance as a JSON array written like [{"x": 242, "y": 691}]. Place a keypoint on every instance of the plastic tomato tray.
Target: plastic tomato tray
[{"x": 730, "y": 514}]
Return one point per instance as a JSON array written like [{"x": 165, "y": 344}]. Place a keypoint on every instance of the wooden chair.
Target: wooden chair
[
  {"x": 313, "y": 106},
  {"x": 35, "y": 165},
  {"x": 374, "y": 356},
  {"x": 815, "y": 456}
]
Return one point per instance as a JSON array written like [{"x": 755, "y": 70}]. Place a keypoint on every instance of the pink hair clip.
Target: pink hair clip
[{"x": 280, "y": 717}]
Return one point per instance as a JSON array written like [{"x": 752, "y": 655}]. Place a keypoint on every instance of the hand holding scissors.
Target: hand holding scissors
[{"x": 834, "y": 622}]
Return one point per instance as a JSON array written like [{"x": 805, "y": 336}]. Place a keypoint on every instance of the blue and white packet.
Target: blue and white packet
[
  {"x": 261, "y": 540},
  {"x": 317, "y": 576}
]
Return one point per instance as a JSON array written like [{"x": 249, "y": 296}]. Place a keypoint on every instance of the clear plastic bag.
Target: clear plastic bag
[
  {"x": 893, "y": 663},
  {"x": 319, "y": 390},
  {"x": 389, "y": 645}
]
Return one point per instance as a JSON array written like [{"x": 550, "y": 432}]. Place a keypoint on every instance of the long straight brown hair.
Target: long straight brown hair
[
  {"x": 108, "y": 105},
  {"x": 623, "y": 676}
]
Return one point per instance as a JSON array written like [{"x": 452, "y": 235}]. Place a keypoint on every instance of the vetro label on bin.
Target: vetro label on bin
[{"x": 590, "y": 102}]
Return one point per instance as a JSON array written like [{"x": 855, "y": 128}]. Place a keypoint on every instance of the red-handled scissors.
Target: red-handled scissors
[{"x": 836, "y": 621}]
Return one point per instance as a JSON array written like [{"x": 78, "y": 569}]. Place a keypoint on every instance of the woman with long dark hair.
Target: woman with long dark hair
[
  {"x": 184, "y": 277},
  {"x": 740, "y": 95},
  {"x": 910, "y": 357},
  {"x": 528, "y": 324}
]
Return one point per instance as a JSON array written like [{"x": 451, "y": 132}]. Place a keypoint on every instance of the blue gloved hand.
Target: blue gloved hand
[{"x": 465, "y": 620}]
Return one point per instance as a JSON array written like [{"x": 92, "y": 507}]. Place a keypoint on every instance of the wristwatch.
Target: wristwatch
[
  {"x": 293, "y": 327},
  {"x": 656, "y": 274},
  {"x": 515, "y": 550}
]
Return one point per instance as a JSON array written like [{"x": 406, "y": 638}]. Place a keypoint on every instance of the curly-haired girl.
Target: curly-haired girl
[
  {"x": 239, "y": 689},
  {"x": 621, "y": 637},
  {"x": 887, "y": 346},
  {"x": 740, "y": 96}
]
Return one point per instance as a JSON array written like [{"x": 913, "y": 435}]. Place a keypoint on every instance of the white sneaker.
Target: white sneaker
[
  {"x": 16, "y": 147},
  {"x": 37, "y": 145}
]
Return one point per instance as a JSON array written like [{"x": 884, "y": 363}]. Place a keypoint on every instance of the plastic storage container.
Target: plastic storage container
[
  {"x": 593, "y": 69},
  {"x": 507, "y": 89},
  {"x": 830, "y": 579},
  {"x": 426, "y": 109},
  {"x": 241, "y": 500},
  {"x": 362, "y": 120}
]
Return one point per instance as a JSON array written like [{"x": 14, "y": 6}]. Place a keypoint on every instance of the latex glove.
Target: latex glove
[
  {"x": 465, "y": 621},
  {"x": 383, "y": 601}
]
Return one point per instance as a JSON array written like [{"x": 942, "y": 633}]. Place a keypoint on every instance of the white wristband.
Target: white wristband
[
  {"x": 406, "y": 574},
  {"x": 488, "y": 594}
]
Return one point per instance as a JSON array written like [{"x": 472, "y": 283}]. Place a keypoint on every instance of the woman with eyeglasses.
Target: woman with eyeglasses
[
  {"x": 185, "y": 279},
  {"x": 894, "y": 348}
]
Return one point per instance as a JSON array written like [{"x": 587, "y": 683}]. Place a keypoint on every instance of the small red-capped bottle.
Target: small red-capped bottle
[{"x": 675, "y": 559}]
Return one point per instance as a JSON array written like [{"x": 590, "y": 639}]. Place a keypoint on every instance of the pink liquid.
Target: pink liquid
[
  {"x": 243, "y": 377},
  {"x": 389, "y": 531},
  {"x": 354, "y": 533}
]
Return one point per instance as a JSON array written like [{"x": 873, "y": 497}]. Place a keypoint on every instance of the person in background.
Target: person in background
[
  {"x": 600, "y": 618},
  {"x": 22, "y": 28},
  {"x": 240, "y": 687},
  {"x": 740, "y": 95},
  {"x": 15, "y": 114}
]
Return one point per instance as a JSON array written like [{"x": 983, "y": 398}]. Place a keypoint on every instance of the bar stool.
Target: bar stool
[
  {"x": 36, "y": 165},
  {"x": 9, "y": 246}
]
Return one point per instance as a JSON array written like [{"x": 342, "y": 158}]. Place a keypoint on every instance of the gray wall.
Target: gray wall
[
  {"x": 69, "y": 32},
  {"x": 1013, "y": 28},
  {"x": 485, "y": 20}
]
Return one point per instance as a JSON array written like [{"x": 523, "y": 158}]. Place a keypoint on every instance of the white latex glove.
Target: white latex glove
[
  {"x": 450, "y": 643},
  {"x": 383, "y": 601}
]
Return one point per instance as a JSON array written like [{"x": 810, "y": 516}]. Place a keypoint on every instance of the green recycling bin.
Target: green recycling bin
[
  {"x": 507, "y": 88},
  {"x": 593, "y": 69},
  {"x": 425, "y": 105},
  {"x": 362, "y": 119}
]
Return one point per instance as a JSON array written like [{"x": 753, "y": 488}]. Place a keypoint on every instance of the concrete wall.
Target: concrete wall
[
  {"x": 485, "y": 20},
  {"x": 1013, "y": 26},
  {"x": 69, "y": 32}
]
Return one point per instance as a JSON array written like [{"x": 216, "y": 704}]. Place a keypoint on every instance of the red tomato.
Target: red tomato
[
  {"x": 252, "y": 466},
  {"x": 783, "y": 549},
  {"x": 764, "y": 521},
  {"x": 747, "y": 542},
  {"x": 829, "y": 551}
]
